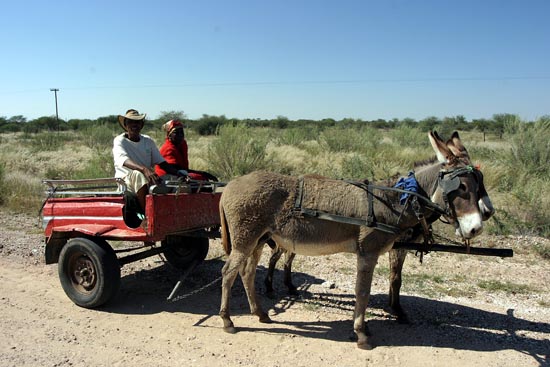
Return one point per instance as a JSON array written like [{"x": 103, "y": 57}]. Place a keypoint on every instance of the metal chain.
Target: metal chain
[
  {"x": 445, "y": 239},
  {"x": 195, "y": 291}
]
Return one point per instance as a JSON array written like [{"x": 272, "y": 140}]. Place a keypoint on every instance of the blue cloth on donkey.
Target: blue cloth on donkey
[{"x": 409, "y": 184}]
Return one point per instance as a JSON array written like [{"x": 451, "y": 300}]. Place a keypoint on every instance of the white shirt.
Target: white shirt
[{"x": 144, "y": 152}]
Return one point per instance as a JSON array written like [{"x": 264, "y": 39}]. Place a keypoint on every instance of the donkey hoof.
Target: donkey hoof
[
  {"x": 265, "y": 319},
  {"x": 364, "y": 341},
  {"x": 230, "y": 329},
  {"x": 365, "y": 345}
]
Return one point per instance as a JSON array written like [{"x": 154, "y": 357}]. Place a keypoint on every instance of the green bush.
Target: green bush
[
  {"x": 298, "y": 135},
  {"x": 338, "y": 139},
  {"x": 101, "y": 165},
  {"x": 238, "y": 150},
  {"x": 405, "y": 136},
  {"x": 526, "y": 174},
  {"x": 543, "y": 250},
  {"x": 46, "y": 141},
  {"x": 19, "y": 192},
  {"x": 357, "y": 167},
  {"x": 2, "y": 184},
  {"x": 531, "y": 147},
  {"x": 98, "y": 136}
]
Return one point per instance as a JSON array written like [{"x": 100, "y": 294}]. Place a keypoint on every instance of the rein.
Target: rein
[{"x": 412, "y": 197}]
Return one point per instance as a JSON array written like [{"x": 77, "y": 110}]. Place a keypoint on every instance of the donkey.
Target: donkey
[
  {"x": 396, "y": 258},
  {"x": 262, "y": 205}
]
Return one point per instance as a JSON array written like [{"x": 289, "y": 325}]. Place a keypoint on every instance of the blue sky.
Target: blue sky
[{"x": 263, "y": 59}]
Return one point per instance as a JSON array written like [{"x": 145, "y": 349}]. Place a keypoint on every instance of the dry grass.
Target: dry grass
[{"x": 521, "y": 198}]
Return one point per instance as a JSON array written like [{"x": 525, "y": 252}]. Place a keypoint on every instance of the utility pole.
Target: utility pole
[{"x": 55, "y": 90}]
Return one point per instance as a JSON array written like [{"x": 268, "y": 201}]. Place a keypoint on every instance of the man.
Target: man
[{"x": 135, "y": 156}]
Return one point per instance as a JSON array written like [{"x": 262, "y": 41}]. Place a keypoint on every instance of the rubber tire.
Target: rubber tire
[
  {"x": 89, "y": 272},
  {"x": 182, "y": 251}
]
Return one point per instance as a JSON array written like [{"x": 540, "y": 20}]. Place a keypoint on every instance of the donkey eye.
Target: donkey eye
[{"x": 462, "y": 187}]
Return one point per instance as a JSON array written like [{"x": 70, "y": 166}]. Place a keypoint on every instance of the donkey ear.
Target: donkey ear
[
  {"x": 456, "y": 146},
  {"x": 441, "y": 150}
]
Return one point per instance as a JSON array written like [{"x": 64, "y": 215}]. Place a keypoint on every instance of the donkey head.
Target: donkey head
[{"x": 460, "y": 187}]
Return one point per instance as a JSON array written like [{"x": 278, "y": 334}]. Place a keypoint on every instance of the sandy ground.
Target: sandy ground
[{"x": 40, "y": 326}]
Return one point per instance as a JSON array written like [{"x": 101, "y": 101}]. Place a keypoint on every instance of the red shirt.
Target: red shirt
[{"x": 173, "y": 154}]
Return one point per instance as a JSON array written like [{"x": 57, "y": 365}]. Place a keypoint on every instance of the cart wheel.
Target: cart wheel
[
  {"x": 89, "y": 271},
  {"x": 181, "y": 251}
]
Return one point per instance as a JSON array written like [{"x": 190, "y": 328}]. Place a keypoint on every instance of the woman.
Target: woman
[{"x": 174, "y": 151}]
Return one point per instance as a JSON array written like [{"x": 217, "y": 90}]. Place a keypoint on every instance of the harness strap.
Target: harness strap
[
  {"x": 426, "y": 228},
  {"x": 348, "y": 220},
  {"x": 371, "y": 219},
  {"x": 300, "y": 194}
]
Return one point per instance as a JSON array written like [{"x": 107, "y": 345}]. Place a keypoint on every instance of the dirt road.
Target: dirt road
[{"x": 40, "y": 326}]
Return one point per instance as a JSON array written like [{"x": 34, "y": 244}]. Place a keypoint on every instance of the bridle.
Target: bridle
[{"x": 449, "y": 181}]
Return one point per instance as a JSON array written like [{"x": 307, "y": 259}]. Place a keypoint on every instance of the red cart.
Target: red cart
[{"x": 80, "y": 217}]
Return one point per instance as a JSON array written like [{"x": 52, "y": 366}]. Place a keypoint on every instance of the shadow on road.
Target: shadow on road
[{"x": 434, "y": 323}]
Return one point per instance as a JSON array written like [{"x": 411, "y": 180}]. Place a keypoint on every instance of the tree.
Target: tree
[
  {"x": 18, "y": 119},
  {"x": 429, "y": 123},
  {"x": 505, "y": 121},
  {"x": 8, "y": 126},
  {"x": 207, "y": 125},
  {"x": 281, "y": 122},
  {"x": 108, "y": 120},
  {"x": 172, "y": 115},
  {"x": 450, "y": 124},
  {"x": 44, "y": 123},
  {"x": 409, "y": 122}
]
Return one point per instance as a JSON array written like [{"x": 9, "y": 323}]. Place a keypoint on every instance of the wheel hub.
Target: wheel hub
[{"x": 84, "y": 274}]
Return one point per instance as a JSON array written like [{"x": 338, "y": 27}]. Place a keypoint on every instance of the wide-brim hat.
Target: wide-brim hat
[{"x": 131, "y": 114}]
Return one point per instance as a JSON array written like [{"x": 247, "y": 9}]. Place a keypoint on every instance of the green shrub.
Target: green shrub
[
  {"x": 46, "y": 141},
  {"x": 526, "y": 175},
  {"x": 2, "y": 184},
  {"x": 405, "y": 136},
  {"x": 543, "y": 250},
  {"x": 338, "y": 139},
  {"x": 531, "y": 147},
  {"x": 238, "y": 150},
  {"x": 357, "y": 167},
  {"x": 297, "y": 136},
  {"x": 21, "y": 193},
  {"x": 101, "y": 165},
  {"x": 98, "y": 136}
]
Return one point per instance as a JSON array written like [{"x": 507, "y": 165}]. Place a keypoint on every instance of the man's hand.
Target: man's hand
[{"x": 151, "y": 176}]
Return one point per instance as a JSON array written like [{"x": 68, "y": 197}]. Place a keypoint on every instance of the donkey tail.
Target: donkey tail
[{"x": 226, "y": 238}]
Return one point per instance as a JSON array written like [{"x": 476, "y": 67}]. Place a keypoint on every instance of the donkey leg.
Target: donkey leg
[
  {"x": 289, "y": 257},
  {"x": 397, "y": 259},
  {"x": 229, "y": 273},
  {"x": 268, "y": 281},
  {"x": 248, "y": 275},
  {"x": 365, "y": 271}
]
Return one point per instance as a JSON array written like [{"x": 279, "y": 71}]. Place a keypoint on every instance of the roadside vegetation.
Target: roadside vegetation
[{"x": 512, "y": 153}]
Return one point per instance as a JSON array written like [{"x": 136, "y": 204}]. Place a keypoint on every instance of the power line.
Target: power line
[{"x": 303, "y": 82}]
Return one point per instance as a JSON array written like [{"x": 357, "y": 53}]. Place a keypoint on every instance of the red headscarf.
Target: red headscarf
[{"x": 172, "y": 125}]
